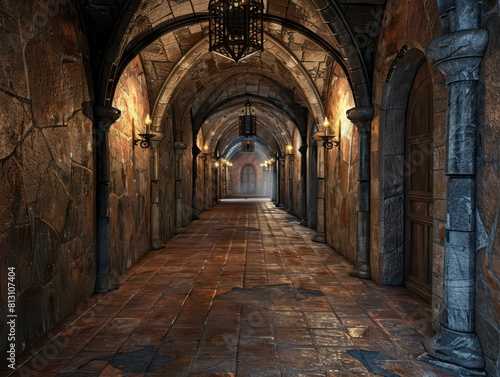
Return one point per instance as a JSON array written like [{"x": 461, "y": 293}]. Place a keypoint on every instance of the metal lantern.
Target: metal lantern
[
  {"x": 248, "y": 121},
  {"x": 236, "y": 27}
]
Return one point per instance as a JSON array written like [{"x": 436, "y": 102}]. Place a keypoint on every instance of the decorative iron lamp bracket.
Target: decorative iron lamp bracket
[
  {"x": 145, "y": 139},
  {"x": 329, "y": 140}
]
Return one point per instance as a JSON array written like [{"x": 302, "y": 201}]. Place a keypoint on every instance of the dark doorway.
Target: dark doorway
[
  {"x": 248, "y": 180},
  {"x": 418, "y": 184}
]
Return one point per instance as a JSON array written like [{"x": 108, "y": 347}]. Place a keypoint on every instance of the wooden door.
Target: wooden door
[
  {"x": 418, "y": 185},
  {"x": 248, "y": 183}
]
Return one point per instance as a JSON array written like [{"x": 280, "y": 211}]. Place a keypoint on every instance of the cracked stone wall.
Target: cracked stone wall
[
  {"x": 342, "y": 171},
  {"x": 46, "y": 167},
  {"x": 488, "y": 203},
  {"x": 130, "y": 172}
]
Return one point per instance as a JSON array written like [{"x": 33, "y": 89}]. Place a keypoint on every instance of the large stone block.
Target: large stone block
[
  {"x": 394, "y": 176},
  {"x": 52, "y": 200},
  {"x": 393, "y": 222},
  {"x": 460, "y": 202},
  {"x": 14, "y": 115},
  {"x": 47, "y": 98},
  {"x": 13, "y": 205},
  {"x": 47, "y": 249}
]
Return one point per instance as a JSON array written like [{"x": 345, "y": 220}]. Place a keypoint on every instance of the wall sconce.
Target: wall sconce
[
  {"x": 217, "y": 164},
  {"x": 289, "y": 153},
  {"x": 204, "y": 155},
  {"x": 329, "y": 140},
  {"x": 144, "y": 142}
]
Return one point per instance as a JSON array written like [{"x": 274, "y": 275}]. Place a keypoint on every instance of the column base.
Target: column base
[
  {"x": 179, "y": 230},
  {"x": 455, "y": 369},
  {"x": 456, "y": 348},
  {"x": 105, "y": 283},
  {"x": 303, "y": 222},
  {"x": 319, "y": 238},
  {"x": 157, "y": 244},
  {"x": 361, "y": 270}
]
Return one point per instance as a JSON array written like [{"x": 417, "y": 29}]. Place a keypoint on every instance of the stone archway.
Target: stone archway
[{"x": 391, "y": 254}]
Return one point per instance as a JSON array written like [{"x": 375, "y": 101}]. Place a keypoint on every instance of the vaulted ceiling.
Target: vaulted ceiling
[{"x": 286, "y": 82}]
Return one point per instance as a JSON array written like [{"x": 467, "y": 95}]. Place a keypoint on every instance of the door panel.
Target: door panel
[
  {"x": 248, "y": 183},
  {"x": 418, "y": 185}
]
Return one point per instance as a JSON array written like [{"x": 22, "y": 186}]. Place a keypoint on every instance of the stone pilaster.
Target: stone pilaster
[
  {"x": 320, "y": 235},
  {"x": 104, "y": 117},
  {"x": 180, "y": 148},
  {"x": 281, "y": 182},
  {"x": 458, "y": 56},
  {"x": 362, "y": 117},
  {"x": 156, "y": 241},
  {"x": 207, "y": 201}
]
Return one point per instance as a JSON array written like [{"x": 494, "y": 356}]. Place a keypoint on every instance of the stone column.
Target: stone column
[
  {"x": 156, "y": 241},
  {"x": 281, "y": 182},
  {"x": 291, "y": 160},
  {"x": 303, "y": 178},
  {"x": 458, "y": 56},
  {"x": 180, "y": 148},
  {"x": 320, "y": 235},
  {"x": 362, "y": 117},
  {"x": 104, "y": 117},
  {"x": 206, "y": 175}
]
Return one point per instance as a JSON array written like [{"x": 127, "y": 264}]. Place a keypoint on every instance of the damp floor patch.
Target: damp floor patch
[
  {"x": 263, "y": 295},
  {"x": 143, "y": 360},
  {"x": 372, "y": 360}
]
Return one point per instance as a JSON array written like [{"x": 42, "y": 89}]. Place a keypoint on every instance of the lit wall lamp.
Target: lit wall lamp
[
  {"x": 144, "y": 142},
  {"x": 289, "y": 153},
  {"x": 204, "y": 155},
  {"x": 329, "y": 140}
]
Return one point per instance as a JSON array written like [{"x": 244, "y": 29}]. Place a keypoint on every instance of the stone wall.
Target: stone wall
[
  {"x": 488, "y": 203},
  {"x": 341, "y": 171},
  {"x": 130, "y": 172},
  {"x": 46, "y": 167}
]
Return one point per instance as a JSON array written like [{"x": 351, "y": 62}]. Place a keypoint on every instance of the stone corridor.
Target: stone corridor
[{"x": 242, "y": 292}]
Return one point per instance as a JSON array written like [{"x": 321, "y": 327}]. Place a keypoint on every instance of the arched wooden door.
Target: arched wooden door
[
  {"x": 418, "y": 184},
  {"x": 248, "y": 180}
]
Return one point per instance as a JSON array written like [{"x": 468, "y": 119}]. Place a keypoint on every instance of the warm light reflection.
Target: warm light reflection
[{"x": 289, "y": 149}]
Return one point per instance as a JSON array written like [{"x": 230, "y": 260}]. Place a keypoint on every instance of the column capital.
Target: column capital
[
  {"x": 180, "y": 146},
  {"x": 458, "y": 54},
  {"x": 105, "y": 116},
  {"x": 361, "y": 117}
]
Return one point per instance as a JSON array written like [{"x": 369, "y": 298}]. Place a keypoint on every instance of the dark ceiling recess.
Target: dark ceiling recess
[{"x": 236, "y": 27}]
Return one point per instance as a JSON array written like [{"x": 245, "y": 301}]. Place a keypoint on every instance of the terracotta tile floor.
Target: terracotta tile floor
[{"x": 243, "y": 292}]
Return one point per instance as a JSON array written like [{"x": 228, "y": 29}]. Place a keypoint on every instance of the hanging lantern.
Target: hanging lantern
[
  {"x": 248, "y": 121},
  {"x": 236, "y": 29}
]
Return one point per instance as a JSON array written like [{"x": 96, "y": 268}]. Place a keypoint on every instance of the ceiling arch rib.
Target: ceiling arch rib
[
  {"x": 273, "y": 47},
  {"x": 234, "y": 150},
  {"x": 274, "y": 132}
]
